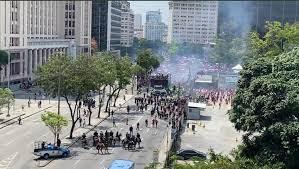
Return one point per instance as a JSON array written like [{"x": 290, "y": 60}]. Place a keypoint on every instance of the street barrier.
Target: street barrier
[{"x": 164, "y": 148}]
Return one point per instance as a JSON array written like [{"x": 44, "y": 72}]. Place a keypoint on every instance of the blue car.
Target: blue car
[
  {"x": 51, "y": 151},
  {"x": 122, "y": 164}
]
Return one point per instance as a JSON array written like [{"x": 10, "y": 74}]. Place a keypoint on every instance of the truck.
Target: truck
[{"x": 159, "y": 84}]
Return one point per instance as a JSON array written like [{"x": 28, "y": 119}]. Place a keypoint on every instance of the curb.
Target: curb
[
  {"x": 89, "y": 130},
  {"x": 23, "y": 117}
]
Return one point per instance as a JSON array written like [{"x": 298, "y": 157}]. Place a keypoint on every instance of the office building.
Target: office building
[
  {"x": 106, "y": 25},
  {"x": 138, "y": 27},
  {"x": 31, "y": 31},
  {"x": 127, "y": 25},
  {"x": 76, "y": 23},
  {"x": 252, "y": 15},
  {"x": 192, "y": 21},
  {"x": 154, "y": 27}
]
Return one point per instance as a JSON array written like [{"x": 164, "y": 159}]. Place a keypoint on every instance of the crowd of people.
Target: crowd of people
[{"x": 214, "y": 96}]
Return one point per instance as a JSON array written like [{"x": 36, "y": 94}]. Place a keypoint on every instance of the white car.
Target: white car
[{"x": 51, "y": 151}]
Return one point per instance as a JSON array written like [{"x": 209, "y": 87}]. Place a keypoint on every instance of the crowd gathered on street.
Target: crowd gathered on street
[{"x": 214, "y": 96}]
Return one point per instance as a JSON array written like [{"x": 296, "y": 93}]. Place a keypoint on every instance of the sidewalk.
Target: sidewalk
[
  {"x": 16, "y": 110},
  {"x": 95, "y": 121}
]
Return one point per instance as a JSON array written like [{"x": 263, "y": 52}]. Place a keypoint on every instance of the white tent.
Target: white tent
[
  {"x": 237, "y": 68},
  {"x": 197, "y": 105}
]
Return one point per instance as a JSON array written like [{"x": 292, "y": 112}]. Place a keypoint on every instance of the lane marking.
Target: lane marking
[
  {"x": 10, "y": 142},
  {"x": 74, "y": 165}
]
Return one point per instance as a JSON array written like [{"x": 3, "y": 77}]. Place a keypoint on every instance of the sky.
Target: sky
[{"x": 141, "y": 7}]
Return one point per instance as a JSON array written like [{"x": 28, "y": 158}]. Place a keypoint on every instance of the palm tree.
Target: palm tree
[{"x": 3, "y": 60}]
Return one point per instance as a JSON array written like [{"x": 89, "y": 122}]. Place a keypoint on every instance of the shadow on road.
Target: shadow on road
[{"x": 205, "y": 118}]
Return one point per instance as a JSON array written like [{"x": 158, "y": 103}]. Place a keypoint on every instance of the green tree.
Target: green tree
[
  {"x": 228, "y": 51},
  {"x": 266, "y": 107},
  {"x": 6, "y": 99},
  {"x": 77, "y": 81},
  {"x": 219, "y": 161},
  {"x": 277, "y": 39},
  {"x": 3, "y": 60},
  {"x": 147, "y": 60},
  {"x": 55, "y": 122}
]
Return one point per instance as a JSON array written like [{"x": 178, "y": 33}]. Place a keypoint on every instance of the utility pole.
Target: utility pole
[
  {"x": 8, "y": 81},
  {"x": 59, "y": 85}
]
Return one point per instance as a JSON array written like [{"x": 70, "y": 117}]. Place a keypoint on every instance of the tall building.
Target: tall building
[
  {"x": 165, "y": 33},
  {"x": 127, "y": 25},
  {"x": 154, "y": 27},
  {"x": 192, "y": 21},
  {"x": 254, "y": 14},
  {"x": 106, "y": 25},
  {"x": 138, "y": 27},
  {"x": 76, "y": 23},
  {"x": 31, "y": 31},
  {"x": 153, "y": 16}
]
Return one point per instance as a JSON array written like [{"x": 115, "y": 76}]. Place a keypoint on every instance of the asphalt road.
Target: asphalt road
[
  {"x": 89, "y": 159},
  {"x": 17, "y": 143}
]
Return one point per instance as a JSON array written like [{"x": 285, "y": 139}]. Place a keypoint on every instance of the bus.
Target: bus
[{"x": 122, "y": 164}]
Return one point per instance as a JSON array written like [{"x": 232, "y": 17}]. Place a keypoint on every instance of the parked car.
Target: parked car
[
  {"x": 51, "y": 151},
  {"x": 122, "y": 164},
  {"x": 189, "y": 153}
]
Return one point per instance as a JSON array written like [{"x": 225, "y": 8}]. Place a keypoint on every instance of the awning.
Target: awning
[
  {"x": 197, "y": 105},
  {"x": 203, "y": 81}
]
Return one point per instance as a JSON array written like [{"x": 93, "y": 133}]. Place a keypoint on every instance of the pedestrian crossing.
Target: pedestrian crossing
[{"x": 6, "y": 163}]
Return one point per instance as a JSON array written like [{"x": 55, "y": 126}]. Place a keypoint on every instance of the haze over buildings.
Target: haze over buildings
[
  {"x": 154, "y": 27},
  {"x": 192, "y": 21},
  {"x": 138, "y": 27},
  {"x": 127, "y": 24}
]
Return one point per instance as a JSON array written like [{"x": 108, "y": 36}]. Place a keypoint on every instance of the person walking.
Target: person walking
[
  {"x": 80, "y": 121},
  {"x": 156, "y": 122},
  {"x": 113, "y": 121},
  {"x": 20, "y": 120},
  {"x": 58, "y": 142},
  {"x": 137, "y": 126},
  {"x": 29, "y": 103},
  {"x": 131, "y": 130},
  {"x": 128, "y": 109},
  {"x": 84, "y": 122},
  {"x": 112, "y": 112},
  {"x": 127, "y": 121}
]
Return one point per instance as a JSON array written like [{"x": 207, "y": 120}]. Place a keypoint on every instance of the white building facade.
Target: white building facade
[
  {"x": 192, "y": 21},
  {"x": 154, "y": 27},
  {"x": 30, "y": 31},
  {"x": 138, "y": 27},
  {"x": 127, "y": 25}
]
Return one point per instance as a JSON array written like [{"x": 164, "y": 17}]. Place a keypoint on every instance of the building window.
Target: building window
[
  {"x": 14, "y": 41},
  {"x": 66, "y": 6},
  {"x": 66, "y": 15},
  {"x": 66, "y": 24}
]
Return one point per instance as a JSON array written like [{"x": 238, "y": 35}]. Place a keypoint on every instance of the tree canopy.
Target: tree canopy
[
  {"x": 3, "y": 57},
  {"x": 277, "y": 39},
  {"x": 6, "y": 97},
  {"x": 266, "y": 107},
  {"x": 55, "y": 122},
  {"x": 147, "y": 60}
]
